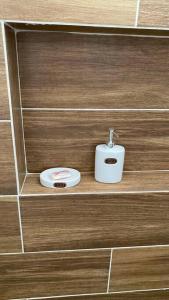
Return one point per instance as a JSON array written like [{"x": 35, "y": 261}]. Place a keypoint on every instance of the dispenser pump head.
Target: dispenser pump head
[{"x": 112, "y": 133}]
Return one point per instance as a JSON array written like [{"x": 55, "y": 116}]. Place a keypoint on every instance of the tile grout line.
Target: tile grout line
[
  {"x": 20, "y": 99},
  {"x": 27, "y": 22},
  {"x": 21, "y": 189},
  {"x": 137, "y": 291},
  {"x": 20, "y": 224},
  {"x": 12, "y": 130},
  {"x": 93, "y": 109},
  {"x": 10, "y": 106},
  {"x": 6, "y": 195},
  {"x": 137, "y": 13},
  {"x": 109, "y": 274},
  {"x": 80, "y": 24},
  {"x": 94, "y": 33},
  {"x": 86, "y": 250},
  {"x": 9, "y": 25},
  {"x": 60, "y": 296},
  {"x": 94, "y": 294},
  {"x": 145, "y": 171},
  {"x": 95, "y": 193}
]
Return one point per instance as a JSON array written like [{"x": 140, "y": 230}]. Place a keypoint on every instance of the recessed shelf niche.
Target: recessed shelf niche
[{"x": 77, "y": 81}]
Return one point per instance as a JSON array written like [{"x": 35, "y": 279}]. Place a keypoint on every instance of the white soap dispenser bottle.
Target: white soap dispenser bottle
[{"x": 109, "y": 161}]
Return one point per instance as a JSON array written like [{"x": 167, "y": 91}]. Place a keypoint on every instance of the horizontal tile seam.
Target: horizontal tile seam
[
  {"x": 142, "y": 172},
  {"x": 86, "y": 250},
  {"x": 94, "y": 109},
  {"x": 95, "y": 193},
  {"x": 7, "y": 196},
  {"x": 82, "y": 24},
  {"x": 85, "y": 193},
  {"x": 96, "y": 33},
  {"x": 5, "y": 121},
  {"x": 93, "y": 294}
]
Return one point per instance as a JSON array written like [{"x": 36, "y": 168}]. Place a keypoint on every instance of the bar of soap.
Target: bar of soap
[{"x": 61, "y": 175}]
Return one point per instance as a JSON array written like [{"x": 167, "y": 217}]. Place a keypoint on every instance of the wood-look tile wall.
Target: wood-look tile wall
[
  {"x": 119, "y": 12},
  {"x": 4, "y": 107},
  {"x": 48, "y": 274},
  {"x": 154, "y": 13},
  {"x": 16, "y": 104},
  {"x": 85, "y": 272},
  {"x": 94, "y": 221},
  {"x": 140, "y": 269},
  {"x": 9, "y": 226},
  {"x": 47, "y": 69},
  {"x": 7, "y": 166},
  {"x": 73, "y": 135},
  {"x": 114, "y": 12},
  {"x": 93, "y": 71}
]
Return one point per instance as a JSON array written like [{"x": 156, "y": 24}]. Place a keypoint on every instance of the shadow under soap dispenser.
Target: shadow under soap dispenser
[{"x": 109, "y": 161}]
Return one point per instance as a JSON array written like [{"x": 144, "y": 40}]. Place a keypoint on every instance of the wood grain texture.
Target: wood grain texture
[
  {"x": 149, "y": 295},
  {"x": 120, "y": 12},
  {"x": 16, "y": 106},
  {"x": 132, "y": 182},
  {"x": 9, "y": 225},
  {"x": 154, "y": 13},
  {"x": 68, "y": 70},
  {"x": 139, "y": 269},
  {"x": 73, "y": 135},
  {"x": 94, "y": 221},
  {"x": 48, "y": 274},
  {"x": 4, "y": 108},
  {"x": 7, "y": 166}
]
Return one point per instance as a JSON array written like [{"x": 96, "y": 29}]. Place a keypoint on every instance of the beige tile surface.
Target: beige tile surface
[
  {"x": 154, "y": 13},
  {"x": 121, "y": 12}
]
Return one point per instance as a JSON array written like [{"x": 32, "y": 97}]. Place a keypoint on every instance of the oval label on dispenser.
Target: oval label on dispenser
[{"x": 110, "y": 161}]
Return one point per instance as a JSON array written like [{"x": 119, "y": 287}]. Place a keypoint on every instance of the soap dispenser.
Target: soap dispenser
[{"x": 109, "y": 160}]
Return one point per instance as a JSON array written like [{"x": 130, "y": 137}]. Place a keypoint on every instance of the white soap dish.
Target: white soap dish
[{"x": 60, "y": 177}]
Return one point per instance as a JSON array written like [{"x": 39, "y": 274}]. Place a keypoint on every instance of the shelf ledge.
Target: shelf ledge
[{"x": 133, "y": 182}]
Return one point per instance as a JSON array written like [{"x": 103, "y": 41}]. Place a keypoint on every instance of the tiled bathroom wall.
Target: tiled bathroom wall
[
  {"x": 93, "y": 72},
  {"x": 91, "y": 242}
]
